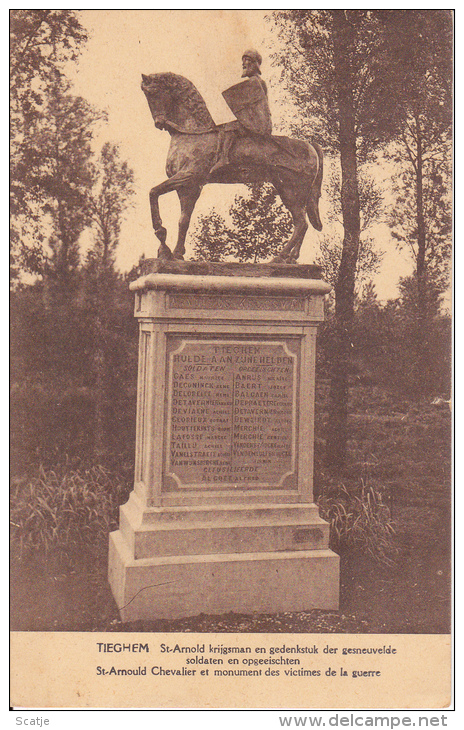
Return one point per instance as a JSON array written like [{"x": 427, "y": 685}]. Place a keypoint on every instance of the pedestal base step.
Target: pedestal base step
[
  {"x": 171, "y": 587},
  {"x": 230, "y": 537},
  {"x": 224, "y": 496},
  {"x": 222, "y": 529}
]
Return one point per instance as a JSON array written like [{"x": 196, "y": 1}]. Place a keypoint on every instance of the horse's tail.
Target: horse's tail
[{"x": 312, "y": 203}]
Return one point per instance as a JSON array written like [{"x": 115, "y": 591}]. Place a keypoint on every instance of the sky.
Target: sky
[{"x": 206, "y": 47}]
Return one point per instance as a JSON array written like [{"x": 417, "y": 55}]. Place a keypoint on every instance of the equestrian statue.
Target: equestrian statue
[{"x": 242, "y": 151}]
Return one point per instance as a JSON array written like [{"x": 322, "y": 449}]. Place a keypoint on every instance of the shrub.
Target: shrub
[
  {"x": 64, "y": 518},
  {"x": 360, "y": 522}
]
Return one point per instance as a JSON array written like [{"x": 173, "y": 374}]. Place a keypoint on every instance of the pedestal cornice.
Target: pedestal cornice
[{"x": 231, "y": 284}]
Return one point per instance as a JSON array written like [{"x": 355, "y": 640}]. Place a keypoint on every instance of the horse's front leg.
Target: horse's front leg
[
  {"x": 188, "y": 196},
  {"x": 173, "y": 183},
  {"x": 164, "y": 252}
]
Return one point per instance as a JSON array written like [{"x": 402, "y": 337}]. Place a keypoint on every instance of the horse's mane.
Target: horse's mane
[{"x": 187, "y": 109}]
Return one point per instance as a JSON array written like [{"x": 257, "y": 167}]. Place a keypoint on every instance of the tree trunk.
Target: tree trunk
[
  {"x": 100, "y": 362},
  {"x": 422, "y": 375},
  {"x": 343, "y": 50},
  {"x": 421, "y": 241}
]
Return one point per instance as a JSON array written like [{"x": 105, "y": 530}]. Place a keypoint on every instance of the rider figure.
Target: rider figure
[{"x": 228, "y": 133}]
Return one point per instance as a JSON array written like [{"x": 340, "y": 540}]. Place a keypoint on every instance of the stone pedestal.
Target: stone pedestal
[{"x": 222, "y": 515}]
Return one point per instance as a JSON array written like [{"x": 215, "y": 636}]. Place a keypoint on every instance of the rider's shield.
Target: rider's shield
[{"x": 248, "y": 101}]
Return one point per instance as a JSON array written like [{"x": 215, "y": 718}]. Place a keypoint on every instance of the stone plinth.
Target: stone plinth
[{"x": 222, "y": 515}]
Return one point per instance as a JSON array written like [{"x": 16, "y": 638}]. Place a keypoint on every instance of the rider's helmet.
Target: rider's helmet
[{"x": 254, "y": 56}]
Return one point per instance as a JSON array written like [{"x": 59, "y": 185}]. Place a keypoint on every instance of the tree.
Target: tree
[
  {"x": 59, "y": 170},
  {"x": 260, "y": 226},
  {"x": 355, "y": 76},
  {"x": 425, "y": 229},
  {"x": 107, "y": 202},
  {"x": 421, "y": 218},
  {"x": 113, "y": 188},
  {"x": 371, "y": 205},
  {"x": 41, "y": 43},
  {"x": 429, "y": 242},
  {"x": 261, "y": 223},
  {"x": 327, "y": 66},
  {"x": 367, "y": 265},
  {"x": 82, "y": 338},
  {"x": 422, "y": 42},
  {"x": 211, "y": 237}
]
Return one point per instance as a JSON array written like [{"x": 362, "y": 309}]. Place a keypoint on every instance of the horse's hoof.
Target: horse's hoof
[
  {"x": 279, "y": 260},
  {"x": 164, "y": 253},
  {"x": 177, "y": 256}
]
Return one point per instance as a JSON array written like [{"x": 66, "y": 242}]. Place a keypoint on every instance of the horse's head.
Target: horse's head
[
  {"x": 175, "y": 99},
  {"x": 159, "y": 98}
]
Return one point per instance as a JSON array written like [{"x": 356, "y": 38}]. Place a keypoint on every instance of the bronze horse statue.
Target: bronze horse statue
[{"x": 294, "y": 167}]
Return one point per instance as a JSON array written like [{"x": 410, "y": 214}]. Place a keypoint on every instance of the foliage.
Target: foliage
[
  {"x": 111, "y": 195},
  {"x": 52, "y": 179},
  {"x": 325, "y": 66},
  {"x": 426, "y": 232},
  {"x": 309, "y": 72},
  {"x": 260, "y": 227},
  {"x": 62, "y": 172},
  {"x": 64, "y": 516},
  {"x": 422, "y": 40},
  {"x": 58, "y": 190},
  {"x": 371, "y": 197},
  {"x": 331, "y": 247},
  {"x": 107, "y": 201},
  {"x": 385, "y": 344},
  {"x": 42, "y": 42},
  {"x": 359, "y": 520},
  {"x": 418, "y": 99},
  {"x": 363, "y": 79},
  {"x": 384, "y": 341},
  {"x": 421, "y": 218},
  {"x": 55, "y": 385},
  {"x": 427, "y": 358},
  {"x": 262, "y": 224},
  {"x": 408, "y": 446},
  {"x": 82, "y": 331},
  {"x": 211, "y": 238}
]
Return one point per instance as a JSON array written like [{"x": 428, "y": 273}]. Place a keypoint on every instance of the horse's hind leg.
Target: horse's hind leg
[
  {"x": 300, "y": 220},
  {"x": 293, "y": 201},
  {"x": 188, "y": 196}
]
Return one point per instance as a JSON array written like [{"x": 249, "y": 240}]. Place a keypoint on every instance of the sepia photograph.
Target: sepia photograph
[{"x": 231, "y": 385}]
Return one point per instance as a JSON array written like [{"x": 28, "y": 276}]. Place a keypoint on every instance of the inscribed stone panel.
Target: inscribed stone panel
[{"x": 231, "y": 413}]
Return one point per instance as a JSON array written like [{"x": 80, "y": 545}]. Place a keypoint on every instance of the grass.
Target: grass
[
  {"x": 359, "y": 521},
  {"x": 64, "y": 515}
]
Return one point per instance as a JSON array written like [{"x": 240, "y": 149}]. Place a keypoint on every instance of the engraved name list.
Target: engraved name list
[{"x": 231, "y": 413}]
